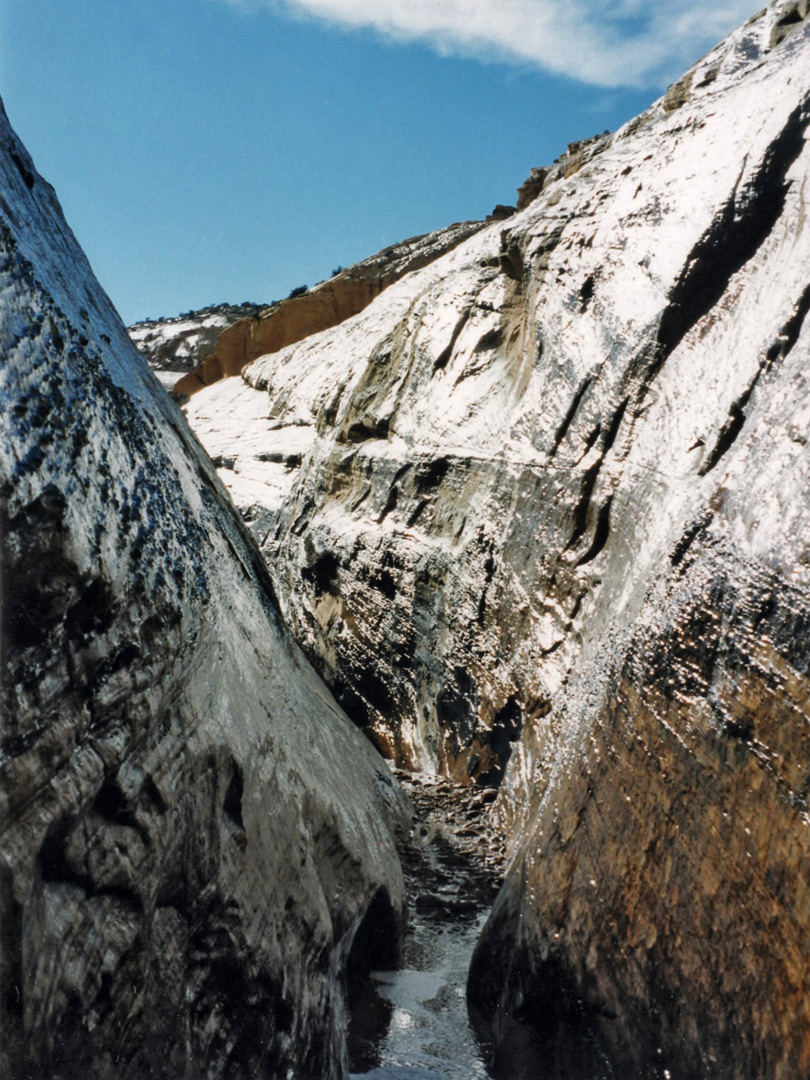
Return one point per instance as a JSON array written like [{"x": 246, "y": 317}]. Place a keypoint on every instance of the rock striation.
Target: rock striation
[
  {"x": 174, "y": 347},
  {"x": 195, "y": 842},
  {"x": 542, "y": 511},
  {"x": 237, "y": 341}
]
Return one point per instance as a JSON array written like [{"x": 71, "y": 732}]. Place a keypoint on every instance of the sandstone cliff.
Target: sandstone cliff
[
  {"x": 237, "y": 341},
  {"x": 194, "y": 840},
  {"x": 543, "y": 509},
  {"x": 174, "y": 347}
]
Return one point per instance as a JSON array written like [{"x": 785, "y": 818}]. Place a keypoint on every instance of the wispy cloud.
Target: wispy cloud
[{"x": 603, "y": 42}]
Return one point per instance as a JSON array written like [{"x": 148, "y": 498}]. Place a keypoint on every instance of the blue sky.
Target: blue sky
[{"x": 213, "y": 150}]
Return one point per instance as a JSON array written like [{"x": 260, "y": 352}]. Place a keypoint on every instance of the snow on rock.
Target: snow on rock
[
  {"x": 551, "y": 520},
  {"x": 175, "y": 347},
  {"x": 213, "y": 346},
  {"x": 191, "y": 831}
]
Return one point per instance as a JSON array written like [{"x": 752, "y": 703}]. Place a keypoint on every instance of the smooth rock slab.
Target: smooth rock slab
[{"x": 191, "y": 832}]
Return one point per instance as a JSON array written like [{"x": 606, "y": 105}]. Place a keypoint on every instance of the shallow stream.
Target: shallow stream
[
  {"x": 425, "y": 1032},
  {"x": 412, "y": 1023}
]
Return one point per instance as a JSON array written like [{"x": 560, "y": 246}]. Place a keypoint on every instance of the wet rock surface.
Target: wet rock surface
[
  {"x": 192, "y": 834},
  {"x": 539, "y": 515},
  {"x": 456, "y": 856},
  {"x": 412, "y": 1020}
]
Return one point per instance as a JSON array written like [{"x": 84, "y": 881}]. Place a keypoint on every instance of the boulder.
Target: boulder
[{"x": 531, "y": 187}]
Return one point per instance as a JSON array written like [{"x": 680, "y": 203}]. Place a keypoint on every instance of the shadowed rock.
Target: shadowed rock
[
  {"x": 546, "y": 502},
  {"x": 191, "y": 832}
]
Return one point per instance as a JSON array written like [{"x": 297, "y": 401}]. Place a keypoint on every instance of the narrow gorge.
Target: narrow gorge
[{"x": 501, "y": 536}]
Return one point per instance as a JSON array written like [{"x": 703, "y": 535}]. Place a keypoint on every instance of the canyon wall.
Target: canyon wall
[
  {"x": 175, "y": 347},
  {"x": 541, "y": 512},
  {"x": 206, "y": 347},
  {"x": 194, "y": 841}
]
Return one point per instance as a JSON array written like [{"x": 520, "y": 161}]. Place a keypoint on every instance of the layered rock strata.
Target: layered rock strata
[
  {"x": 194, "y": 840},
  {"x": 174, "y": 347},
  {"x": 304, "y": 312},
  {"x": 544, "y": 504}
]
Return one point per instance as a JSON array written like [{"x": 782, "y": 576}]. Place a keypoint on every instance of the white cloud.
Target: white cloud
[{"x": 603, "y": 42}]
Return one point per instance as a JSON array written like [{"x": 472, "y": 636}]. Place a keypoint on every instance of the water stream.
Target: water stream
[
  {"x": 425, "y": 1031},
  {"x": 411, "y": 1023}
]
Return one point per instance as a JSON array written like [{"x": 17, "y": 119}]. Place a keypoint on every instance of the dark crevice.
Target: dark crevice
[
  {"x": 601, "y": 533},
  {"x": 456, "y": 706},
  {"x": 121, "y": 660},
  {"x": 393, "y": 494},
  {"x": 732, "y": 239},
  {"x": 739, "y": 729},
  {"x": 489, "y": 574},
  {"x": 365, "y": 430},
  {"x": 56, "y": 868},
  {"x": 490, "y": 340},
  {"x": 586, "y": 293},
  {"x": 729, "y": 431},
  {"x": 511, "y": 258},
  {"x": 349, "y": 700},
  {"x": 92, "y": 613},
  {"x": 789, "y": 334},
  {"x": 590, "y": 442},
  {"x": 390, "y": 504},
  {"x": 322, "y": 571},
  {"x": 373, "y": 690},
  {"x": 562, "y": 430},
  {"x": 785, "y": 340},
  {"x": 577, "y": 605},
  {"x": 615, "y": 424},
  {"x": 384, "y": 582},
  {"x": 377, "y": 941},
  {"x": 507, "y": 727},
  {"x": 25, "y": 172},
  {"x": 327, "y": 417},
  {"x": 792, "y": 17},
  {"x": 52, "y": 862},
  {"x": 583, "y": 503},
  {"x": 36, "y": 589},
  {"x": 587, "y": 487},
  {"x": 112, "y": 805},
  {"x": 430, "y": 474},
  {"x": 698, "y": 529},
  {"x": 417, "y": 512},
  {"x": 444, "y": 356},
  {"x": 232, "y": 807}
]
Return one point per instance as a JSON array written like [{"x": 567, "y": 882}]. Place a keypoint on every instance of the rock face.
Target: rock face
[
  {"x": 545, "y": 503},
  {"x": 194, "y": 840},
  {"x": 175, "y": 347},
  {"x": 531, "y": 187},
  {"x": 288, "y": 321}
]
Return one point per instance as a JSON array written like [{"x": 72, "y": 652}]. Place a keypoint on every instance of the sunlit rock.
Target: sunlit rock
[
  {"x": 191, "y": 832},
  {"x": 542, "y": 509},
  {"x": 208, "y": 346},
  {"x": 176, "y": 347}
]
